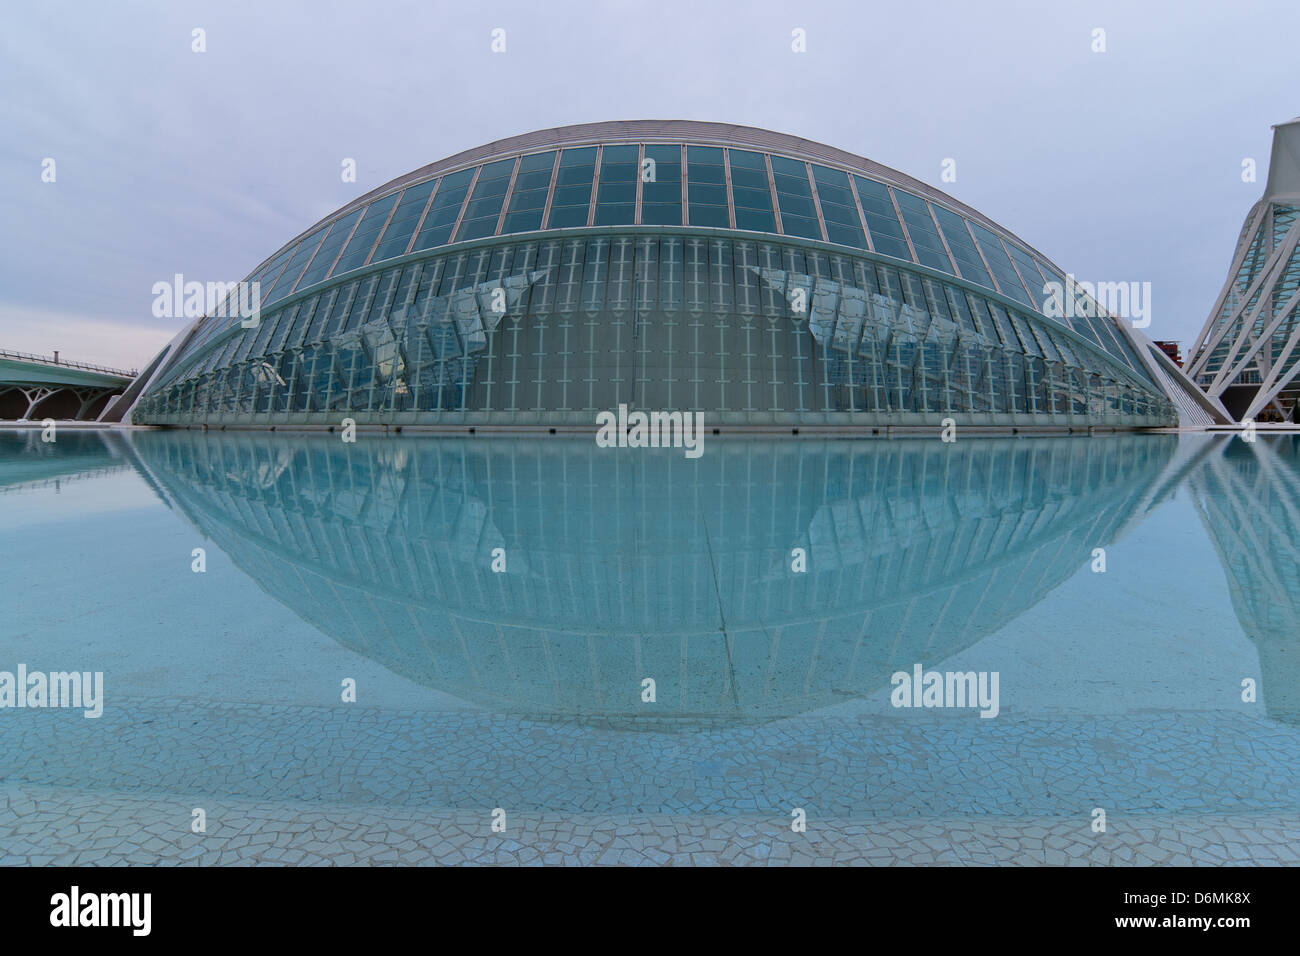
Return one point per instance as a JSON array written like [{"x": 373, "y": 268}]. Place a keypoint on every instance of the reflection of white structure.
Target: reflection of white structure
[
  {"x": 1248, "y": 354},
  {"x": 1247, "y": 496}
]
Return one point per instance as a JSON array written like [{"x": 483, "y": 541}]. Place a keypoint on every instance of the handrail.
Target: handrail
[{"x": 52, "y": 360}]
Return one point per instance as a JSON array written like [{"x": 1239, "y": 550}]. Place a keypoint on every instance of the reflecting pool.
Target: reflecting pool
[{"x": 539, "y": 650}]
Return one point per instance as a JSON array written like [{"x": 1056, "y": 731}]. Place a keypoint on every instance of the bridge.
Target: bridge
[{"x": 46, "y": 386}]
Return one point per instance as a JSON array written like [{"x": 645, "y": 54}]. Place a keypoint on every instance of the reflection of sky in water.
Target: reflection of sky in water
[{"x": 373, "y": 561}]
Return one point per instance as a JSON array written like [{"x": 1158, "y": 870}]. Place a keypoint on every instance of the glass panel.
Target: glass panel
[
  {"x": 1000, "y": 264},
  {"x": 921, "y": 228},
  {"x": 993, "y": 317},
  {"x": 794, "y": 196},
  {"x": 359, "y": 246},
  {"x": 1074, "y": 319},
  {"x": 300, "y": 323},
  {"x": 484, "y": 207},
  {"x": 750, "y": 191},
  {"x": 329, "y": 250},
  {"x": 528, "y": 201},
  {"x": 882, "y": 221},
  {"x": 444, "y": 210},
  {"x": 361, "y": 302},
  {"x": 838, "y": 208},
  {"x": 321, "y": 318},
  {"x": 755, "y": 220},
  {"x": 1023, "y": 330},
  {"x": 616, "y": 193},
  {"x": 1126, "y": 352},
  {"x": 962, "y": 246},
  {"x": 289, "y": 276},
  {"x": 573, "y": 180},
  {"x": 1044, "y": 342},
  {"x": 271, "y": 271},
  {"x": 246, "y": 338},
  {"x": 706, "y": 187},
  {"x": 1029, "y": 272},
  {"x": 273, "y": 325},
  {"x": 407, "y": 216},
  {"x": 661, "y": 193},
  {"x": 339, "y": 311}
]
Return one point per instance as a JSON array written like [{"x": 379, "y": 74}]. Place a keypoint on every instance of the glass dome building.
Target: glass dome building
[{"x": 761, "y": 279}]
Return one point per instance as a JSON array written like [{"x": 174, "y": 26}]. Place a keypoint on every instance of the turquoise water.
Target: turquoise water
[{"x": 523, "y": 686}]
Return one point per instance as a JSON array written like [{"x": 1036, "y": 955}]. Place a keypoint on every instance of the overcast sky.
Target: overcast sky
[{"x": 1121, "y": 166}]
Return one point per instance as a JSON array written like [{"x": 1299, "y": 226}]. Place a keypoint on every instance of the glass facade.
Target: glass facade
[{"x": 756, "y": 287}]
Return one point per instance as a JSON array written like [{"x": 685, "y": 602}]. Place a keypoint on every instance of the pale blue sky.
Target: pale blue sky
[{"x": 1122, "y": 166}]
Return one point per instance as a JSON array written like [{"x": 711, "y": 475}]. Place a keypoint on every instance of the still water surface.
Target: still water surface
[{"x": 501, "y": 604}]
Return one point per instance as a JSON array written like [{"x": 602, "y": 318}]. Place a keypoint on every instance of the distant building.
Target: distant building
[{"x": 1171, "y": 349}]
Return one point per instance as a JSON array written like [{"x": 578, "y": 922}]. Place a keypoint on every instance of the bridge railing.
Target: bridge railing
[{"x": 54, "y": 360}]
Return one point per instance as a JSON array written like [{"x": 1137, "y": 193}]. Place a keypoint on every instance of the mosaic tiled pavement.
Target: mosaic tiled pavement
[
  {"x": 346, "y": 785},
  {"x": 868, "y": 765},
  {"x": 117, "y": 829}
]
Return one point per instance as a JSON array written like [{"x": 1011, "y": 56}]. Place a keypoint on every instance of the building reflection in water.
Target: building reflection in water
[
  {"x": 627, "y": 564},
  {"x": 1248, "y": 496},
  {"x": 641, "y": 563},
  {"x": 27, "y": 462}
]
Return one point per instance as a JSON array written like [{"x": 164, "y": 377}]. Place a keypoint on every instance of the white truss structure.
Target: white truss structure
[{"x": 1251, "y": 339}]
